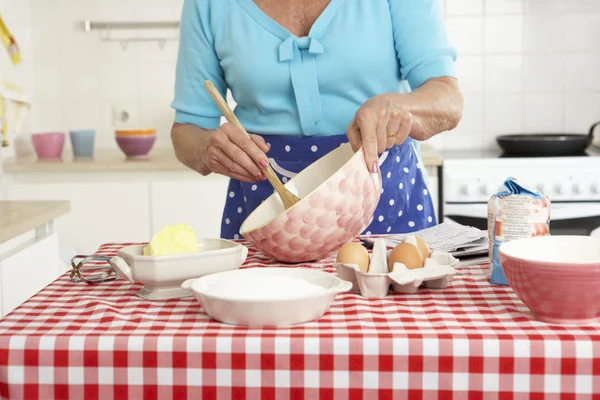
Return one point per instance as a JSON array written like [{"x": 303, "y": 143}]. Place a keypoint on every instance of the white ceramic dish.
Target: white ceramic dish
[
  {"x": 436, "y": 274},
  {"x": 259, "y": 297},
  {"x": 162, "y": 276}
]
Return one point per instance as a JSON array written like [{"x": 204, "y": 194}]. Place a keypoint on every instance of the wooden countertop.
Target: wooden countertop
[
  {"x": 159, "y": 160},
  {"x": 19, "y": 217}
]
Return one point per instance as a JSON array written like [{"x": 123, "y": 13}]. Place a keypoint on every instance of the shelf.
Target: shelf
[{"x": 129, "y": 25}]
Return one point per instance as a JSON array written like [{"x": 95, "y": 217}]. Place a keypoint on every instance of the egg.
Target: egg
[
  {"x": 354, "y": 253},
  {"x": 423, "y": 247},
  {"x": 408, "y": 254}
]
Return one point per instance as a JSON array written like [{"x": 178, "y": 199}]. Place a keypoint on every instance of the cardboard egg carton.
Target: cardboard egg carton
[{"x": 437, "y": 272}]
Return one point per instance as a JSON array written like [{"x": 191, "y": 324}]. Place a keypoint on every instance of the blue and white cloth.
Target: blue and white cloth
[{"x": 405, "y": 205}]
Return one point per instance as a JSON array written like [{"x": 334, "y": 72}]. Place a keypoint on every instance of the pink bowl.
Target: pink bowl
[
  {"x": 48, "y": 145},
  {"x": 339, "y": 196},
  {"x": 557, "y": 277}
]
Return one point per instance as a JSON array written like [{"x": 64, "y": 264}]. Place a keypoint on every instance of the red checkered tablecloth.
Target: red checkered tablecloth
[{"x": 469, "y": 341}]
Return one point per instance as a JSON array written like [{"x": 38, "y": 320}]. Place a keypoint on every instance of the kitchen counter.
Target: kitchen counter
[
  {"x": 29, "y": 249},
  {"x": 19, "y": 217},
  {"x": 159, "y": 160}
]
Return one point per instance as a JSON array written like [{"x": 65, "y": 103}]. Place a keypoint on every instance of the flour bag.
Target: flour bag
[{"x": 517, "y": 213}]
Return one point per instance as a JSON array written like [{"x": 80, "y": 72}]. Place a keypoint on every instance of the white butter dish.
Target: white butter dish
[
  {"x": 162, "y": 276},
  {"x": 436, "y": 274},
  {"x": 261, "y": 297}
]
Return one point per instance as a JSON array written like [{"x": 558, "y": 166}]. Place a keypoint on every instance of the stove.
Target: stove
[{"x": 470, "y": 178}]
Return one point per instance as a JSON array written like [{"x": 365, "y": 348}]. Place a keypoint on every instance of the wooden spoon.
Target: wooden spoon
[{"x": 287, "y": 198}]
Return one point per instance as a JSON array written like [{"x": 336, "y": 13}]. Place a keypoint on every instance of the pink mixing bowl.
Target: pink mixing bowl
[
  {"x": 557, "y": 277},
  {"x": 48, "y": 145},
  {"x": 339, "y": 196}
]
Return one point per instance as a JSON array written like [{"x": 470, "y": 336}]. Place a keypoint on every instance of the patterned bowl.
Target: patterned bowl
[
  {"x": 48, "y": 145},
  {"x": 136, "y": 146},
  {"x": 557, "y": 277},
  {"x": 339, "y": 196}
]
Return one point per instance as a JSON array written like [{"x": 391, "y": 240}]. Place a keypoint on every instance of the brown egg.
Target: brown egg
[
  {"x": 423, "y": 247},
  {"x": 406, "y": 254},
  {"x": 354, "y": 253}
]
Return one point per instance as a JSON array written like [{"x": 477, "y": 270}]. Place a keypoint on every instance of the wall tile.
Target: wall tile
[
  {"x": 159, "y": 10},
  {"x": 543, "y": 112},
  {"x": 463, "y": 7},
  {"x": 84, "y": 115},
  {"x": 469, "y": 132},
  {"x": 16, "y": 11},
  {"x": 48, "y": 84},
  {"x": 504, "y": 34},
  {"x": 582, "y": 72},
  {"x": 544, "y": 34},
  {"x": 81, "y": 81},
  {"x": 466, "y": 34},
  {"x": 503, "y": 113},
  {"x": 504, "y": 73},
  {"x": 119, "y": 81},
  {"x": 46, "y": 42},
  {"x": 583, "y": 32},
  {"x": 44, "y": 11},
  {"x": 581, "y": 111},
  {"x": 543, "y": 73},
  {"x": 469, "y": 71},
  {"x": 76, "y": 11},
  {"x": 504, "y": 7},
  {"x": 48, "y": 117},
  {"x": 157, "y": 82},
  {"x": 546, "y": 6}
]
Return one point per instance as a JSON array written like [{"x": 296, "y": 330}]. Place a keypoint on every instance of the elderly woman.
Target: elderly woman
[{"x": 308, "y": 76}]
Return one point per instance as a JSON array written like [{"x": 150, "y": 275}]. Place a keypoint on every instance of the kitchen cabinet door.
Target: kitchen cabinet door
[
  {"x": 198, "y": 203},
  {"x": 28, "y": 271},
  {"x": 101, "y": 212}
]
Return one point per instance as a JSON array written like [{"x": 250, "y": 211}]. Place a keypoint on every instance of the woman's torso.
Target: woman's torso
[{"x": 312, "y": 85}]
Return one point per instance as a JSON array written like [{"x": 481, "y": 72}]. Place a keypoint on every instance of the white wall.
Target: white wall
[{"x": 523, "y": 65}]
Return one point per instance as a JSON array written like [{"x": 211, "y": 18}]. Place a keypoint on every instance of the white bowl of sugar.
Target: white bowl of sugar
[{"x": 261, "y": 297}]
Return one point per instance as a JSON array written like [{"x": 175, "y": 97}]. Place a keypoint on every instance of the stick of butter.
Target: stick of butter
[{"x": 172, "y": 239}]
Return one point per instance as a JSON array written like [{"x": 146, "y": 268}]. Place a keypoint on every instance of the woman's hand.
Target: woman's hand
[
  {"x": 379, "y": 124},
  {"x": 228, "y": 151}
]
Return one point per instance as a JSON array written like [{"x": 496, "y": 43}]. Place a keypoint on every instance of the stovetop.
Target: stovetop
[{"x": 497, "y": 153}]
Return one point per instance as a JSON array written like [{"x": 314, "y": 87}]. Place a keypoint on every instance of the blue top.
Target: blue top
[{"x": 311, "y": 85}]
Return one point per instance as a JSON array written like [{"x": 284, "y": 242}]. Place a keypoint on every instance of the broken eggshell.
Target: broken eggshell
[{"x": 435, "y": 274}]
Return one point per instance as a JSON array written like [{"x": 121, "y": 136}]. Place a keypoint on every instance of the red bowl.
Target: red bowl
[
  {"x": 136, "y": 146},
  {"x": 557, "y": 277},
  {"x": 48, "y": 145}
]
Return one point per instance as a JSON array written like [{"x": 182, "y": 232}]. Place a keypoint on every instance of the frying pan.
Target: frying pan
[{"x": 546, "y": 144}]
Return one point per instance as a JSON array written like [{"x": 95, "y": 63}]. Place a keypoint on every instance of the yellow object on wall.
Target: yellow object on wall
[{"x": 10, "y": 43}]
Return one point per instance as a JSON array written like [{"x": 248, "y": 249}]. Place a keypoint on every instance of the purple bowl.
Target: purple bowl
[
  {"x": 48, "y": 145},
  {"x": 136, "y": 146}
]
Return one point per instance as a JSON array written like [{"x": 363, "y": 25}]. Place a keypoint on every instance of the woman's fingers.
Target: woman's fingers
[
  {"x": 404, "y": 128},
  {"x": 382, "y": 121},
  {"x": 353, "y": 134},
  {"x": 392, "y": 128},
  {"x": 242, "y": 150},
  {"x": 220, "y": 163},
  {"x": 367, "y": 125},
  {"x": 260, "y": 142}
]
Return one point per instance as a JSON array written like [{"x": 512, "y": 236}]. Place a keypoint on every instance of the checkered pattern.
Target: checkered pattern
[{"x": 469, "y": 341}]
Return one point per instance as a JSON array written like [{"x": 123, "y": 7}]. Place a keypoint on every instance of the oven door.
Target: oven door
[{"x": 581, "y": 219}]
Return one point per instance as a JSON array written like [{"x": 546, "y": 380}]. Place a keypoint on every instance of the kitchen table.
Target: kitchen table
[{"x": 469, "y": 341}]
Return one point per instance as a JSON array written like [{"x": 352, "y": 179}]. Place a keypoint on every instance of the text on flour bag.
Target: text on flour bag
[{"x": 516, "y": 213}]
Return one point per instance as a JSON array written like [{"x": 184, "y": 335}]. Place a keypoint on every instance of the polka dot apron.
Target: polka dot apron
[{"x": 405, "y": 204}]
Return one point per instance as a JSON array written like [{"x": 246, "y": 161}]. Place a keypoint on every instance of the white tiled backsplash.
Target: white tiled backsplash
[{"x": 523, "y": 65}]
